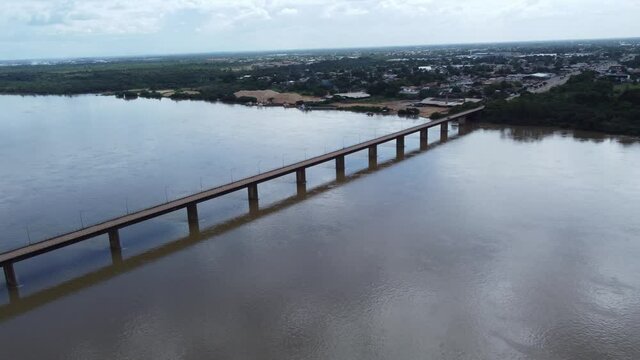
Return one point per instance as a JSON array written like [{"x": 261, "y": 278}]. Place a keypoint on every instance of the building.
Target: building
[
  {"x": 354, "y": 95},
  {"x": 619, "y": 77},
  {"x": 539, "y": 76},
  {"x": 445, "y": 102},
  {"x": 409, "y": 90}
]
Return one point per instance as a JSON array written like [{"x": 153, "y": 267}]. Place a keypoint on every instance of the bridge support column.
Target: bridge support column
[
  {"x": 254, "y": 206},
  {"x": 301, "y": 176},
  {"x": 115, "y": 246},
  {"x": 373, "y": 152},
  {"x": 466, "y": 126},
  {"x": 340, "y": 163},
  {"x": 192, "y": 219},
  {"x": 444, "y": 131},
  {"x": 424, "y": 139},
  {"x": 10, "y": 276},
  {"x": 373, "y": 163},
  {"x": 252, "y": 190},
  {"x": 340, "y": 173},
  {"x": 114, "y": 239},
  {"x": 424, "y": 134},
  {"x": 301, "y": 189},
  {"x": 400, "y": 146}
]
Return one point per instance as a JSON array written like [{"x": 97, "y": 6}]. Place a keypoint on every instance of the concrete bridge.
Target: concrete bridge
[
  {"x": 18, "y": 304},
  {"x": 190, "y": 203}
]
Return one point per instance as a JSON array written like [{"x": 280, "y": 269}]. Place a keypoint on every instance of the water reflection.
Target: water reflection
[{"x": 534, "y": 134}]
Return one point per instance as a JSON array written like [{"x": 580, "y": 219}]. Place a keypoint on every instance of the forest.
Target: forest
[{"x": 585, "y": 103}]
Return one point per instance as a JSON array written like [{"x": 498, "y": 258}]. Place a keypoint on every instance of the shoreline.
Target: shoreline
[
  {"x": 627, "y": 138},
  {"x": 272, "y": 98}
]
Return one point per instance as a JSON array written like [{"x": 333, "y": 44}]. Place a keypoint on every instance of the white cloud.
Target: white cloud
[
  {"x": 288, "y": 11},
  {"x": 247, "y": 24},
  {"x": 346, "y": 8}
]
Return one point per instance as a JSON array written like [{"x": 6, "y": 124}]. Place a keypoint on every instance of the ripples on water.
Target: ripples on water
[{"x": 515, "y": 243}]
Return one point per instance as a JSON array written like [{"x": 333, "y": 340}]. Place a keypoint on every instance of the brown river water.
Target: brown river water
[{"x": 499, "y": 243}]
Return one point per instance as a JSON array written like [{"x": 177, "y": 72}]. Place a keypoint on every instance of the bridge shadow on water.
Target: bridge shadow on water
[{"x": 18, "y": 305}]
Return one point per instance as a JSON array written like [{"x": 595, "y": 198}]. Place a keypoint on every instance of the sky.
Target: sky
[{"x": 31, "y": 29}]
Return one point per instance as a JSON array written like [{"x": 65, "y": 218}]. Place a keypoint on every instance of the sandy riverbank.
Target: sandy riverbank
[
  {"x": 274, "y": 97},
  {"x": 395, "y": 106}
]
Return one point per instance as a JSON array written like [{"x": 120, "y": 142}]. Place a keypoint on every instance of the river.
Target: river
[{"x": 515, "y": 243}]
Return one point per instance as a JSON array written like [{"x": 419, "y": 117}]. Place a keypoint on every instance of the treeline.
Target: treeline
[
  {"x": 585, "y": 103},
  {"x": 82, "y": 79},
  {"x": 214, "y": 80}
]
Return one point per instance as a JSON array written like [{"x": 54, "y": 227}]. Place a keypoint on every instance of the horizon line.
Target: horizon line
[{"x": 289, "y": 50}]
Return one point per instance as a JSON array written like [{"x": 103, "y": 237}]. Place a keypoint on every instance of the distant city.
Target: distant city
[{"x": 455, "y": 71}]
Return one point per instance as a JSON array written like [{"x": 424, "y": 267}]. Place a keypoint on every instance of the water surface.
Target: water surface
[
  {"x": 504, "y": 243},
  {"x": 68, "y": 162}
]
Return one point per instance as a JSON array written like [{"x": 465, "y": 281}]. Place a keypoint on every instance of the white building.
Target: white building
[
  {"x": 409, "y": 90},
  {"x": 445, "y": 102},
  {"x": 354, "y": 95}
]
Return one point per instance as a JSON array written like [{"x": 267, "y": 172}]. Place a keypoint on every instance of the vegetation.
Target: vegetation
[
  {"x": 585, "y": 103},
  {"x": 409, "y": 112},
  {"x": 127, "y": 95}
]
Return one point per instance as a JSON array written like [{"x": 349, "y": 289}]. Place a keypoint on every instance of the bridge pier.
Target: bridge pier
[
  {"x": 424, "y": 139},
  {"x": 373, "y": 163},
  {"x": 301, "y": 189},
  {"x": 10, "y": 276},
  {"x": 424, "y": 134},
  {"x": 340, "y": 163},
  {"x": 192, "y": 219},
  {"x": 466, "y": 126},
  {"x": 115, "y": 246},
  {"x": 400, "y": 146},
  {"x": 252, "y": 190},
  {"x": 301, "y": 176},
  {"x": 254, "y": 206},
  {"x": 444, "y": 131},
  {"x": 373, "y": 152},
  {"x": 340, "y": 173},
  {"x": 114, "y": 239}
]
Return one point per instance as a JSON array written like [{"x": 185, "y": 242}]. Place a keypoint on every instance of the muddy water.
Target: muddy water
[{"x": 500, "y": 243}]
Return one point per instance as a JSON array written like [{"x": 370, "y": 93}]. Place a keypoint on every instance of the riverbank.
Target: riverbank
[
  {"x": 276, "y": 98},
  {"x": 585, "y": 102},
  {"x": 371, "y": 106},
  {"x": 380, "y": 106}
]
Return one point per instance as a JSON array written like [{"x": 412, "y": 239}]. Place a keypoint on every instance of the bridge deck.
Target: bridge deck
[{"x": 155, "y": 211}]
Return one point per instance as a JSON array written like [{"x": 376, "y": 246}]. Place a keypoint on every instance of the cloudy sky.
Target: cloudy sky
[{"x": 71, "y": 28}]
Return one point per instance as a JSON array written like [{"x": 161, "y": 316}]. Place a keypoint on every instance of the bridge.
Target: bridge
[{"x": 190, "y": 203}]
